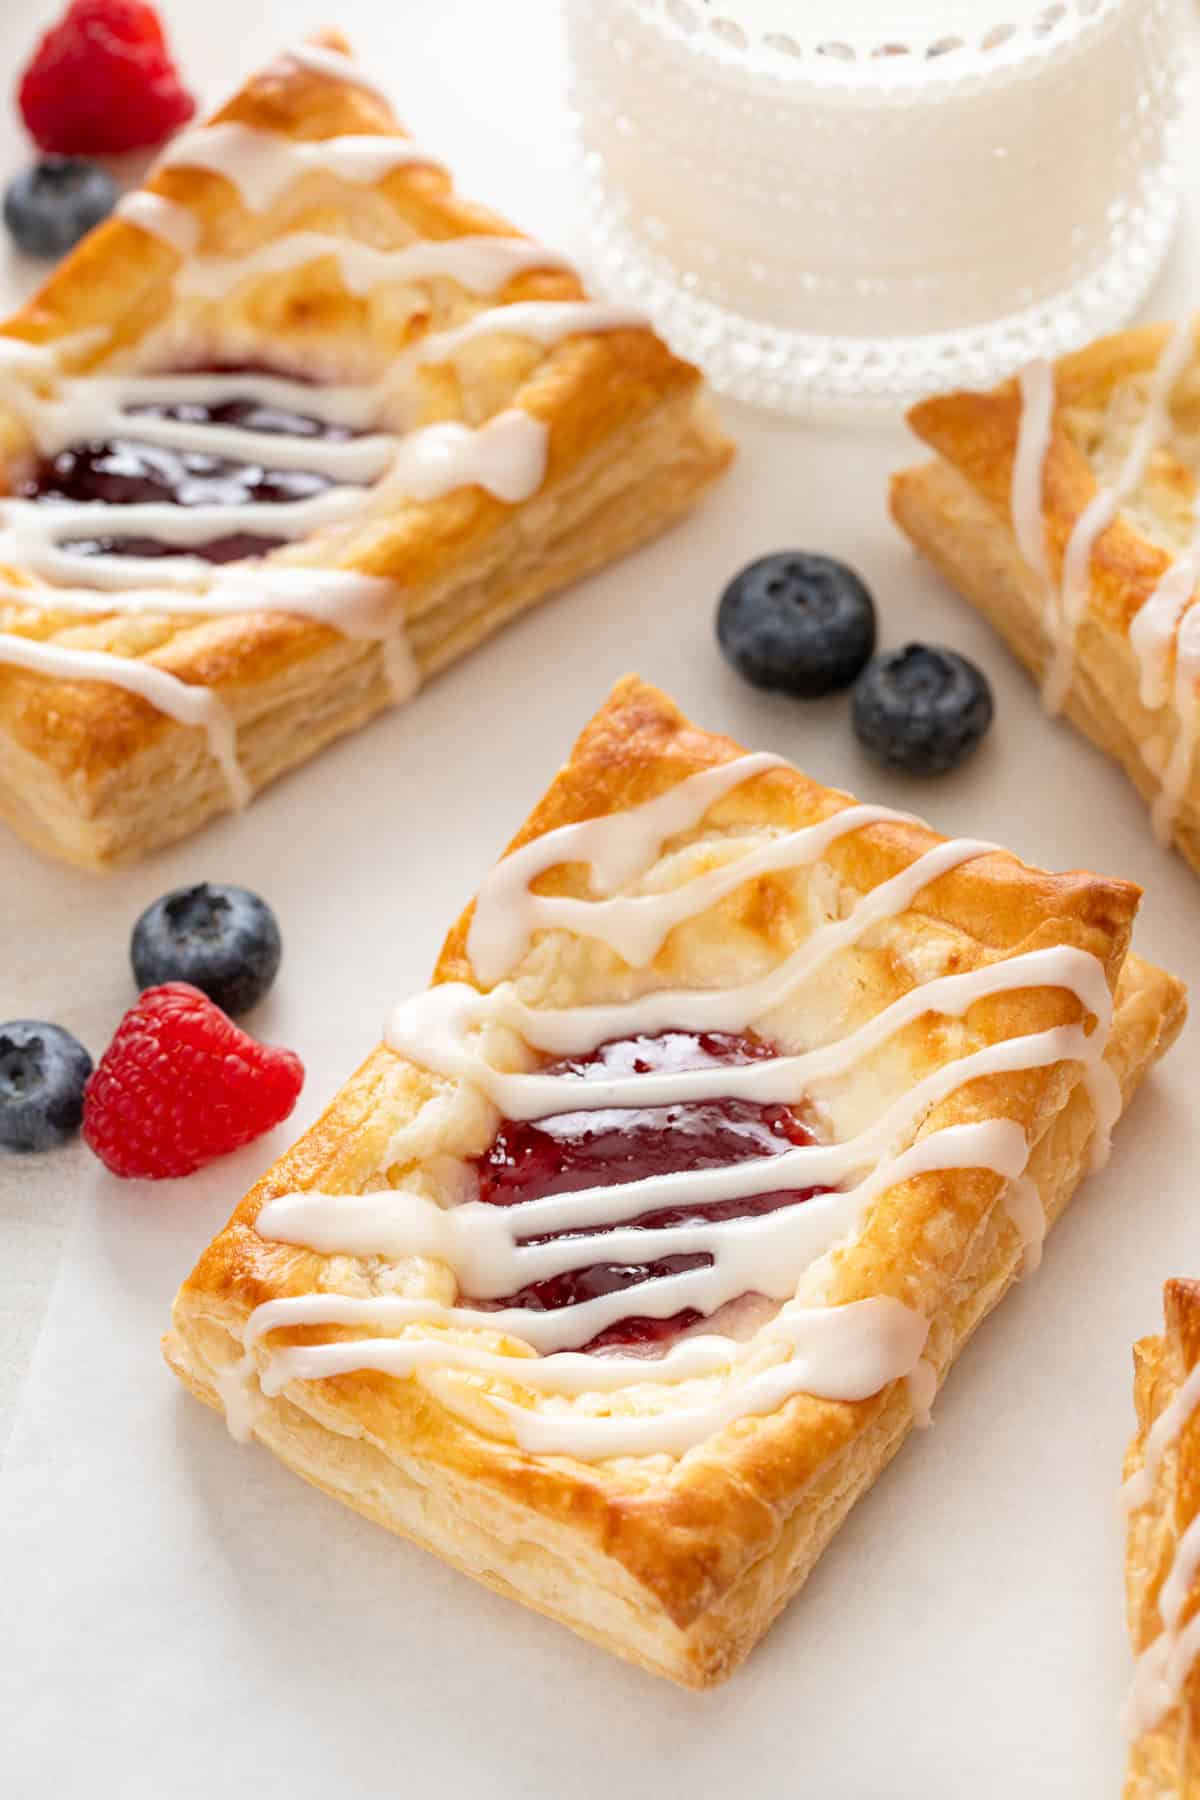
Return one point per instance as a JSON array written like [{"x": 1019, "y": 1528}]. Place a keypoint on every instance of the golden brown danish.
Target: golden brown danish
[
  {"x": 623, "y": 1266},
  {"x": 1065, "y": 506},
  {"x": 291, "y": 432}
]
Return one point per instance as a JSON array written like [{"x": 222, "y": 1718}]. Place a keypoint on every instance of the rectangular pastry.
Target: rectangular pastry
[
  {"x": 1065, "y": 505},
  {"x": 288, "y": 434},
  {"x": 620, "y": 1270},
  {"x": 1162, "y": 1568}
]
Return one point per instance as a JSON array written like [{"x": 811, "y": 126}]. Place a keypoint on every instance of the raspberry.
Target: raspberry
[
  {"x": 102, "y": 81},
  {"x": 181, "y": 1084}
]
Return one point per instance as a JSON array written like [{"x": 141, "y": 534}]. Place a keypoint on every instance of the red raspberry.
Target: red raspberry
[
  {"x": 102, "y": 81},
  {"x": 181, "y": 1084}
]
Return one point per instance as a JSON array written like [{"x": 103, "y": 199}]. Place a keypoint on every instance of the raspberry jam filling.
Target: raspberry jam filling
[
  {"x": 126, "y": 471},
  {"x": 569, "y": 1152}
]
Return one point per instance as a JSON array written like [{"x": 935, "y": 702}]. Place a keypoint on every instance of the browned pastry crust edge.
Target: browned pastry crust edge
[
  {"x": 956, "y": 511},
  {"x": 1165, "y": 1761},
  {"x": 94, "y": 774},
  {"x": 683, "y": 1567}
]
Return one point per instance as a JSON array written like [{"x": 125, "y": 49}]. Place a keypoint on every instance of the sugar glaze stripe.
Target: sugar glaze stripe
[
  {"x": 767, "y": 1255},
  {"x": 322, "y": 59},
  {"x": 174, "y": 225},
  {"x": 186, "y": 703},
  {"x": 262, "y": 165},
  {"x": 1167, "y": 618},
  {"x": 355, "y": 605},
  {"x": 431, "y": 1028},
  {"x": 507, "y": 456},
  {"x": 481, "y": 264},
  {"x": 1163, "y": 1667},
  {"x": 485, "y": 1245}
]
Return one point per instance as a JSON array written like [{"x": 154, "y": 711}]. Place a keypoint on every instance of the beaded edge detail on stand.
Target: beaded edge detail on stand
[{"x": 822, "y": 375}]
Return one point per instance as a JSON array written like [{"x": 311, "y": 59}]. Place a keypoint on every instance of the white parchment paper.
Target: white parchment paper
[{"x": 179, "y": 1617}]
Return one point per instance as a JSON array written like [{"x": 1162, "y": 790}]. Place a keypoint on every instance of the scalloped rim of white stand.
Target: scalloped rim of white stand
[
  {"x": 855, "y": 378},
  {"x": 842, "y": 55}
]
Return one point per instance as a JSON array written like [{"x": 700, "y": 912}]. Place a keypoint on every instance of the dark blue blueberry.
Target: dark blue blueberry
[
  {"x": 50, "y": 207},
  {"x": 42, "y": 1074},
  {"x": 224, "y": 940},
  {"x": 922, "y": 709},
  {"x": 798, "y": 622}
]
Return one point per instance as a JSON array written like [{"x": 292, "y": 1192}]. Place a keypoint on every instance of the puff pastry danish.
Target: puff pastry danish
[
  {"x": 1162, "y": 1498},
  {"x": 291, "y": 432},
  {"x": 624, "y": 1265},
  {"x": 1065, "y": 505}
]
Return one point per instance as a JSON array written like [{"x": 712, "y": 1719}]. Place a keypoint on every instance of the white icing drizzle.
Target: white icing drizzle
[
  {"x": 541, "y": 321},
  {"x": 480, "y": 264},
  {"x": 1104, "y": 1093},
  {"x": 1164, "y": 1665},
  {"x": 262, "y": 165},
  {"x": 844, "y": 1353},
  {"x": 431, "y": 1028},
  {"x": 98, "y": 407},
  {"x": 164, "y": 219},
  {"x": 27, "y": 526},
  {"x": 835, "y": 1353},
  {"x": 401, "y": 670},
  {"x": 1159, "y": 1675},
  {"x": 1155, "y": 624},
  {"x": 1139, "y": 1488},
  {"x": 1178, "y": 772},
  {"x": 78, "y": 402},
  {"x": 506, "y": 457},
  {"x": 1102, "y": 509},
  {"x": 766, "y": 1254},
  {"x": 187, "y": 704},
  {"x": 489, "y": 1249},
  {"x": 241, "y": 1397},
  {"x": 1167, "y": 618},
  {"x": 572, "y": 1372},
  {"x": 506, "y": 913},
  {"x": 1023, "y": 1204},
  {"x": 922, "y": 1386},
  {"x": 323, "y": 60},
  {"x": 359, "y": 606},
  {"x": 17, "y": 357},
  {"x": 1036, "y": 384},
  {"x": 22, "y": 361}
]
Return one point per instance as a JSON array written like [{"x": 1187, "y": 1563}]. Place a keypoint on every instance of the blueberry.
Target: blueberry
[
  {"x": 921, "y": 709},
  {"x": 224, "y": 940},
  {"x": 42, "y": 1074},
  {"x": 802, "y": 623},
  {"x": 50, "y": 207}
]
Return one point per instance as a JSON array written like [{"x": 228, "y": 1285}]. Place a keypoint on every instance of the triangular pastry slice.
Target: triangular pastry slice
[
  {"x": 1162, "y": 1567},
  {"x": 291, "y": 432},
  {"x": 1065, "y": 506},
  {"x": 624, "y": 1265}
]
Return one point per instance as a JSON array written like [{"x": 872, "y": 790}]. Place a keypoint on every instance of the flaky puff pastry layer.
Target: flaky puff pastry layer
[
  {"x": 957, "y": 511},
  {"x": 680, "y": 1563},
  {"x": 94, "y": 774},
  {"x": 1164, "y": 1762}
]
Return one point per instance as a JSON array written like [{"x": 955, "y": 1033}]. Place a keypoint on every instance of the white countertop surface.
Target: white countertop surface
[{"x": 183, "y": 1618}]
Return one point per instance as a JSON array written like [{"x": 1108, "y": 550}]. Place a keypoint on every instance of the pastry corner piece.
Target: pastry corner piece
[
  {"x": 1065, "y": 506},
  {"x": 623, "y": 1266},
  {"x": 291, "y": 432},
  {"x": 1162, "y": 1566}
]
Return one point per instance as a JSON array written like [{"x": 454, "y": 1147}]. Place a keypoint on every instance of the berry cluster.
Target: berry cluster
[
  {"x": 180, "y": 1083},
  {"x": 805, "y": 625},
  {"x": 101, "y": 81}
]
